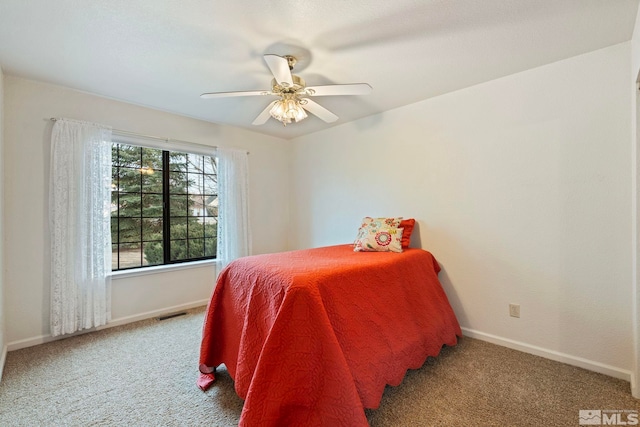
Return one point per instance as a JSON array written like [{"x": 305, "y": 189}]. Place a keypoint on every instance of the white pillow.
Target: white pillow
[{"x": 379, "y": 239}]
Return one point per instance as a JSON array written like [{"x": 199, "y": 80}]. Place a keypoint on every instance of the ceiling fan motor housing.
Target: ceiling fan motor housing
[{"x": 298, "y": 84}]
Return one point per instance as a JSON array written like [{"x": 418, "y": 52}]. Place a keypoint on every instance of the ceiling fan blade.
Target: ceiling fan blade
[
  {"x": 347, "y": 89},
  {"x": 319, "y": 110},
  {"x": 279, "y": 67},
  {"x": 231, "y": 94},
  {"x": 264, "y": 116}
]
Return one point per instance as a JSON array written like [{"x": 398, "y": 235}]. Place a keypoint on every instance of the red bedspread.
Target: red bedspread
[{"x": 312, "y": 337}]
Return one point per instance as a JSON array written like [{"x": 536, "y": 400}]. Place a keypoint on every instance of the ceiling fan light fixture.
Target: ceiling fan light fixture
[{"x": 287, "y": 109}]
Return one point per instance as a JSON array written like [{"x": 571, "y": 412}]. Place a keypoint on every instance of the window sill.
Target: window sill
[{"x": 116, "y": 275}]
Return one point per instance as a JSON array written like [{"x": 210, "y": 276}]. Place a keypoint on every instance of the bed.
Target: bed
[{"x": 312, "y": 337}]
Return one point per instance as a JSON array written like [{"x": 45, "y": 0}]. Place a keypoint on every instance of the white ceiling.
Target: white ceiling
[{"x": 165, "y": 53}]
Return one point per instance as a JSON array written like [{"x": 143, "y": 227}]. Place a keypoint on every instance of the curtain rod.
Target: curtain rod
[{"x": 158, "y": 138}]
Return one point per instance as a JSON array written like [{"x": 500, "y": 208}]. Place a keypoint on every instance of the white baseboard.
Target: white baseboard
[
  {"x": 3, "y": 359},
  {"x": 41, "y": 339},
  {"x": 580, "y": 362},
  {"x": 155, "y": 313}
]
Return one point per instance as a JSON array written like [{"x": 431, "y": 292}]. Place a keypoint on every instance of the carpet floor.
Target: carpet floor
[{"x": 144, "y": 374}]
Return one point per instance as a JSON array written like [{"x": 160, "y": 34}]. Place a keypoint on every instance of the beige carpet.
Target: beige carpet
[{"x": 144, "y": 374}]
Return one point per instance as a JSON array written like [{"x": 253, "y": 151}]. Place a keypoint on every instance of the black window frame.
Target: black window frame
[{"x": 207, "y": 239}]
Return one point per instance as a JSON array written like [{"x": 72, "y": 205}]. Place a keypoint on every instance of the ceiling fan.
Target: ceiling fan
[{"x": 293, "y": 93}]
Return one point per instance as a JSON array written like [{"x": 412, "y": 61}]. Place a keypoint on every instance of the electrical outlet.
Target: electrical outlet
[{"x": 514, "y": 310}]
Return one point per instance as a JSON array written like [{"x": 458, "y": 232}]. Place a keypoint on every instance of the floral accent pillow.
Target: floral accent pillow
[
  {"x": 379, "y": 239},
  {"x": 377, "y": 223}
]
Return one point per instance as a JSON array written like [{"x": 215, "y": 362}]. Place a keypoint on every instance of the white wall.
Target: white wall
[
  {"x": 3, "y": 342},
  {"x": 28, "y": 105},
  {"x": 521, "y": 188},
  {"x": 635, "y": 142}
]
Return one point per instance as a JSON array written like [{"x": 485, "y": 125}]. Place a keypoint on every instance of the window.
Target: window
[{"x": 164, "y": 207}]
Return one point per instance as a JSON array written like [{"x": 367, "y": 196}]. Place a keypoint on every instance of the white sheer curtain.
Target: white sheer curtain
[
  {"x": 79, "y": 217},
  {"x": 234, "y": 235}
]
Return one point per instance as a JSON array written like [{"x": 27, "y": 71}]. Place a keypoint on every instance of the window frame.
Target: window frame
[{"x": 183, "y": 149}]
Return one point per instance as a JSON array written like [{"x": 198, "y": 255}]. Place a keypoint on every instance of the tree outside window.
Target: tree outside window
[{"x": 164, "y": 207}]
